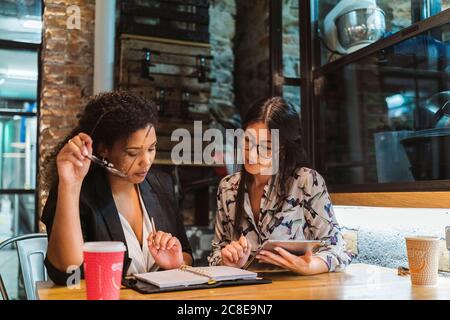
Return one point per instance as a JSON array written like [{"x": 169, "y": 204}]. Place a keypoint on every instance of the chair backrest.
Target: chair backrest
[
  {"x": 31, "y": 250},
  {"x": 3, "y": 289}
]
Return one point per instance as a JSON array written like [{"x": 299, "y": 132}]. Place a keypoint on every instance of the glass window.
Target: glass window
[
  {"x": 386, "y": 118},
  {"x": 21, "y": 20},
  {"x": 18, "y": 80},
  {"x": 346, "y": 26},
  {"x": 291, "y": 39},
  {"x": 16, "y": 215},
  {"x": 292, "y": 94},
  {"x": 18, "y": 152}
]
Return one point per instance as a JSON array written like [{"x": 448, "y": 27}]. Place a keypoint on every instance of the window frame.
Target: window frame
[{"x": 37, "y": 47}]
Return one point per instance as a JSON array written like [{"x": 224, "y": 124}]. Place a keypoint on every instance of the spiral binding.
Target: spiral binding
[{"x": 199, "y": 272}]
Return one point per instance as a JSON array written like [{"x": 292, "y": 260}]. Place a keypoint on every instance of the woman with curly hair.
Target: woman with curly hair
[{"x": 116, "y": 197}]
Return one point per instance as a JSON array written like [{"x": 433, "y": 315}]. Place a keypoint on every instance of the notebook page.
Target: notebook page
[
  {"x": 222, "y": 273},
  {"x": 171, "y": 278}
]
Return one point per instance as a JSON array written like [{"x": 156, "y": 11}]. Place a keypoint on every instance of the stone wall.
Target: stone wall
[
  {"x": 251, "y": 52},
  {"x": 222, "y": 30},
  {"x": 67, "y": 73},
  {"x": 291, "y": 50}
]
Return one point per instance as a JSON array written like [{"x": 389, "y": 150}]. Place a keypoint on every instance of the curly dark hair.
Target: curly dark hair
[{"x": 122, "y": 113}]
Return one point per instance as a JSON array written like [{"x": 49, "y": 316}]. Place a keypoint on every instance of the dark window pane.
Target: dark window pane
[
  {"x": 292, "y": 94},
  {"x": 291, "y": 39},
  {"x": 353, "y": 25},
  {"x": 386, "y": 118}
]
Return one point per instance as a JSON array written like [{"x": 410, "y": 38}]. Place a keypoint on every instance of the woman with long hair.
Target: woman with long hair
[
  {"x": 276, "y": 196},
  {"x": 102, "y": 189}
]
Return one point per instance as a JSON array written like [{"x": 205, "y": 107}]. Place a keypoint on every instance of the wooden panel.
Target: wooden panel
[
  {"x": 135, "y": 55},
  {"x": 163, "y": 40},
  {"x": 183, "y": 82},
  {"x": 358, "y": 281},
  {"x": 166, "y": 44},
  {"x": 173, "y": 94},
  {"x": 175, "y": 71},
  {"x": 394, "y": 199}
]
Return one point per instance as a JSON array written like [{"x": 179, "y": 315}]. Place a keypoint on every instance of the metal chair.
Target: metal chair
[
  {"x": 31, "y": 249},
  {"x": 3, "y": 290}
]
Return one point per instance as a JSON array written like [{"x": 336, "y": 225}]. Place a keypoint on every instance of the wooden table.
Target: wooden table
[{"x": 359, "y": 281}]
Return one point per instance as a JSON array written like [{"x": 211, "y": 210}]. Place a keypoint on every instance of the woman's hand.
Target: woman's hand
[
  {"x": 166, "y": 250},
  {"x": 302, "y": 265},
  {"x": 72, "y": 162},
  {"x": 236, "y": 253}
]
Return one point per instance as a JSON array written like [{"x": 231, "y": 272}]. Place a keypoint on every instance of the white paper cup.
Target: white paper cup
[{"x": 423, "y": 259}]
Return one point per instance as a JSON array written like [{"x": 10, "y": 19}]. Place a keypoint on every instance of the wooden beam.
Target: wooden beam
[
  {"x": 393, "y": 199},
  {"x": 164, "y": 40}
]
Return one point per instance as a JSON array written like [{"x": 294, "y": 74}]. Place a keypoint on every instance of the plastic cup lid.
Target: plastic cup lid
[{"x": 104, "y": 246}]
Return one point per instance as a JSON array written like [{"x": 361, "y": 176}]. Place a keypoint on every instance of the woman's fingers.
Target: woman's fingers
[
  {"x": 80, "y": 143},
  {"x": 151, "y": 239},
  {"x": 269, "y": 260},
  {"x": 164, "y": 240},
  {"x": 73, "y": 148},
  {"x": 84, "y": 137},
  {"x": 152, "y": 249},
  {"x": 286, "y": 255},
  {"x": 275, "y": 258},
  {"x": 248, "y": 249},
  {"x": 233, "y": 252},
  {"x": 71, "y": 158},
  {"x": 171, "y": 243},
  {"x": 308, "y": 256},
  {"x": 158, "y": 238},
  {"x": 243, "y": 242},
  {"x": 239, "y": 249},
  {"x": 83, "y": 141},
  {"x": 227, "y": 254}
]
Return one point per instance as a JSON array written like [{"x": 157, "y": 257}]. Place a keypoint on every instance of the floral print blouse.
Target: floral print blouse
[{"x": 306, "y": 214}]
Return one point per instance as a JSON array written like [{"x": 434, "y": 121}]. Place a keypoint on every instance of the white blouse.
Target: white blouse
[{"x": 142, "y": 260}]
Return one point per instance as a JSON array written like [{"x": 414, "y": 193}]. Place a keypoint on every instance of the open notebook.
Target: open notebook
[{"x": 188, "y": 276}]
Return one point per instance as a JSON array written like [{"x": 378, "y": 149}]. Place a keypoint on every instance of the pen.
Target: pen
[
  {"x": 155, "y": 266},
  {"x": 153, "y": 228}
]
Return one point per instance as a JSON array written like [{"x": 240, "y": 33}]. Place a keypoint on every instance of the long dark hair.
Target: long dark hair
[
  {"x": 279, "y": 114},
  {"x": 122, "y": 113}
]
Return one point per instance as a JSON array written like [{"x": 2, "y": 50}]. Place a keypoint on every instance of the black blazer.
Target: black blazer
[{"x": 100, "y": 220}]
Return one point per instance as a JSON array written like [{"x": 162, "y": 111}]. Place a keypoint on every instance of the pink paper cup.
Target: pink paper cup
[{"x": 103, "y": 264}]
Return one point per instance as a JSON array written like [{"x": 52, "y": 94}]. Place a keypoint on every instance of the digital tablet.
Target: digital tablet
[{"x": 297, "y": 247}]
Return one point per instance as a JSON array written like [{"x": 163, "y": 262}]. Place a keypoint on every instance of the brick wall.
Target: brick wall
[{"x": 67, "y": 73}]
